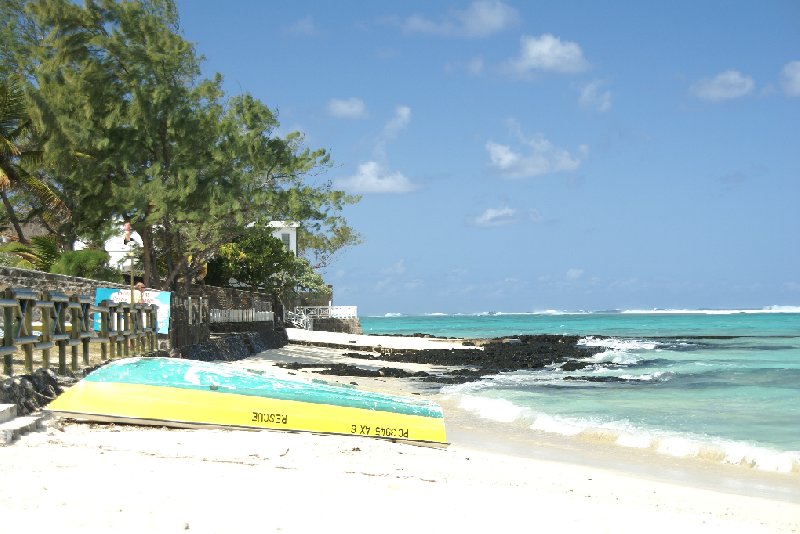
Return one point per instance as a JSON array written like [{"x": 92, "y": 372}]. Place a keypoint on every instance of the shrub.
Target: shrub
[{"x": 87, "y": 264}]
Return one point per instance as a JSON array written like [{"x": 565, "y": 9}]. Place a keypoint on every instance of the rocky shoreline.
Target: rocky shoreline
[
  {"x": 498, "y": 355},
  {"x": 32, "y": 392}
]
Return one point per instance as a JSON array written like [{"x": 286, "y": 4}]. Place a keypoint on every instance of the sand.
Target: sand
[{"x": 95, "y": 478}]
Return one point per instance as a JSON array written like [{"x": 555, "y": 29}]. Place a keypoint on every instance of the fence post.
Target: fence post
[
  {"x": 103, "y": 336},
  {"x": 48, "y": 328},
  {"x": 23, "y": 323},
  {"x": 9, "y": 348},
  {"x": 123, "y": 328},
  {"x": 53, "y": 308},
  {"x": 151, "y": 313},
  {"x": 114, "y": 332},
  {"x": 80, "y": 316}
]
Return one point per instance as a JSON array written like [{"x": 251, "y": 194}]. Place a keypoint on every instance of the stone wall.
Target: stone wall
[
  {"x": 41, "y": 281},
  {"x": 271, "y": 337},
  {"x": 225, "y": 298},
  {"x": 234, "y": 346}
]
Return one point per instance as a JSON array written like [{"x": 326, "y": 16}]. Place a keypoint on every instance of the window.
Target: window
[{"x": 287, "y": 241}]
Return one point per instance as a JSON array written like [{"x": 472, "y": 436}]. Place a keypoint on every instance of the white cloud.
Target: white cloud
[
  {"x": 495, "y": 217},
  {"x": 373, "y": 178},
  {"x": 539, "y": 157},
  {"x": 398, "y": 122},
  {"x": 548, "y": 53},
  {"x": 304, "y": 26},
  {"x": 396, "y": 269},
  {"x": 473, "y": 66},
  {"x": 594, "y": 96},
  {"x": 790, "y": 78},
  {"x": 481, "y": 19},
  {"x": 347, "y": 108},
  {"x": 574, "y": 274},
  {"x": 402, "y": 116},
  {"x": 536, "y": 216},
  {"x": 724, "y": 86}
]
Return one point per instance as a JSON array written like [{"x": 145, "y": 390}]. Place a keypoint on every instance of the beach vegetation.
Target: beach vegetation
[
  {"x": 87, "y": 263},
  {"x": 259, "y": 261},
  {"x": 40, "y": 254},
  {"x": 111, "y": 118}
]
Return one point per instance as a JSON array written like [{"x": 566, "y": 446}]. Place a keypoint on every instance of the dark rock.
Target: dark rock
[
  {"x": 597, "y": 378},
  {"x": 31, "y": 392},
  {"x": 574, "y": 366},
  {"x": 497, "y": 356}
]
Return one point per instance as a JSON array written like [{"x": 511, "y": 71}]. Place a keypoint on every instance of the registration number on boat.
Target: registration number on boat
[
  {"x": 380, "y": 431},
  {"x": 279, "y": 418}
]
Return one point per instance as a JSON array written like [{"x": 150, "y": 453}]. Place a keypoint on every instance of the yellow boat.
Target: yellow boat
[{"x": 188, "y": 393}]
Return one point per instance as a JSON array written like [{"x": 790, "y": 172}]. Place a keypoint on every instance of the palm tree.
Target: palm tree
[{"x": 18, "y": 153}]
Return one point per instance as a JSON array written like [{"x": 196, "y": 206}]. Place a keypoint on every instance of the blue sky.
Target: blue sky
[{"x": 521, "y": 156}]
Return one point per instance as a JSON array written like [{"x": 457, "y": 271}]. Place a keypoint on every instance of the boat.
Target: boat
[{"x": 191, "y": 394}]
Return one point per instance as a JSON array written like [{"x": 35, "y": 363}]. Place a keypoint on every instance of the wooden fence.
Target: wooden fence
[
  {"x": 51, "y": 320},
  {"x": 188, "y": 321}
]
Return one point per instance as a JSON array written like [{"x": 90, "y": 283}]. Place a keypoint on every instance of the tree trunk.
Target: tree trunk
[
  {"x": 12, "y": 216},
  {"x": 149, "y": 259}
]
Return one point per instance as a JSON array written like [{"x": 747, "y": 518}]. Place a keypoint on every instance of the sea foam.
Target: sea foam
[{"x": 624, "y": 434}]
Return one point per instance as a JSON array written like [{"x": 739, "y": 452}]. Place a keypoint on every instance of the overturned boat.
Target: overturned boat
[{"x": 188, "y": 393}]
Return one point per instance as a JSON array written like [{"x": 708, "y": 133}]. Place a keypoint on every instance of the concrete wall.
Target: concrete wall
[{"x": 329, "y": 324}]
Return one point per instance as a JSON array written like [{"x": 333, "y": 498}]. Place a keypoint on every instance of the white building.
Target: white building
[
  {"x": 118, "y": 251},
  {"x": 286, "y": 232}
]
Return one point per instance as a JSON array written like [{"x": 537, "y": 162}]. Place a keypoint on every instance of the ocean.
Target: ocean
[{"x": 723, "y": 385}]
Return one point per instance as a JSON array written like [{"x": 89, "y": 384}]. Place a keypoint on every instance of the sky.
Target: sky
[{"x": 531, "y": 156}]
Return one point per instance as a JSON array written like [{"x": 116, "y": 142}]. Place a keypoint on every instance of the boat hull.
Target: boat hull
[{"x": 183, "y": 393}]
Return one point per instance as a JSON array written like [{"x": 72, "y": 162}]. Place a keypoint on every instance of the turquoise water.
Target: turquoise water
[{"x": 721, "y": 385}]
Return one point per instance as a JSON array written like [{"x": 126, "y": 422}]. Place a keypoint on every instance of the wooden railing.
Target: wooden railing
[
  {"x": 336, "y": 312},
  {"x": 50, "y": 320},
  {"x": 240, "y": 316},
  {"x": 299, "y": 319}
]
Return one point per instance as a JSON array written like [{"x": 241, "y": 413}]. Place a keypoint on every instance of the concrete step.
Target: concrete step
[
  {"x": 11, "y": 430},
  {"x": 7, "y": 412}
]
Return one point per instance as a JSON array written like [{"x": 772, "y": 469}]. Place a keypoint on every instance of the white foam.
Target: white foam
[
  {"x": 558, "y": 425},
  {"x": 635, "y": 441},
  {"x": 677, "y": 446},
  {"x": 619, "y": 344},
  {"x": 624, "y": 434},
  {"x": 617, "y": 357},
  {"x": 500, "y": 410},
  {"x": 766, "y": 309},
  {"x": 738, "y": 453},
  {"x": 647, "y": 377}
]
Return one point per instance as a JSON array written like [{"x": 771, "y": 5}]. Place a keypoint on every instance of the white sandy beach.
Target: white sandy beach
[{"x": 98, "y": 478}]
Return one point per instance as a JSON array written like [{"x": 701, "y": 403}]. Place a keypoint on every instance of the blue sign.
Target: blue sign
[{"x": 148, "y": 296}]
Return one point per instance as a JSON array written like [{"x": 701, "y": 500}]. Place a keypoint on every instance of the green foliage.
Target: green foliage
[
  {"x": 20, "y": 186},
  {"x": 87, "y": 264},
  {"x": 258, "y": 260},
  {"x": 8, "y": 260},
  {"x": 40, "y": 254},
  {"x": 127, "y": 128},
  {"x": 18, "y": 36}
]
